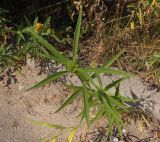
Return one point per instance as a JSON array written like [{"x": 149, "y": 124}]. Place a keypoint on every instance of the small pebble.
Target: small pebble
[
  {"x": 114, "y": 139},
  {"x": 20, "y": 87}
]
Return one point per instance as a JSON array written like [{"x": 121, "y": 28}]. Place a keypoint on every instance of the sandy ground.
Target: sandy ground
[{"x": 16, "y": 105}]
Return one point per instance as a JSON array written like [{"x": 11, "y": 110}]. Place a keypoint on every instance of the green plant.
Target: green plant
[
  {"x": 94, "y": 93},
  {"x": 28, "y": 45},
  {"x": 143, "y": 12},
  {"x": 155, "y": 60},
  {"x": 154, "y": 64},
  {"x": 32, "y": 47},
  {"x": 8, "y": 57},
  {"x": 3, "y": 21},
  {"x": 60, "y": 130}
]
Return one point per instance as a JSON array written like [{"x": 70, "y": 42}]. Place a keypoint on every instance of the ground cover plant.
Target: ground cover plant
[{"x": 95, "y": 95}]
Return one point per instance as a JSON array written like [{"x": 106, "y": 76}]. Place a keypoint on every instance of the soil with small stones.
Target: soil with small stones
[{"x": 18, "y": 105}]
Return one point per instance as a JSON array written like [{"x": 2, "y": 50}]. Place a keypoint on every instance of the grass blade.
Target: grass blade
[
  {"x": 77, "y": 36},
  {"x": 50, "y": 57},
  {"x": 86, "y": 104},
  {"x": 113, "y": 84},
  {"x": 51, "y": 48},
  {"x": 113, "y": 59},
  {"x": 46, "y": 124},
  {"x": 105, "y": 70},
  {"x": 72, "y": 87},
  {"x": 71, "y": 135},
  {"x": 70, "y": 99},
  {"x": 27, "y": 21},
  {"x": 112, "y": 114},
  {"x": 117, "y": 93},
  {"x": 49, "y": 79},
  {"x": 54, "y": 139}
]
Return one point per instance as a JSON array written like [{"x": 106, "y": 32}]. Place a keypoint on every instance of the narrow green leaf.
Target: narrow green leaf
[
  {"x": 71, "y": 135},
  {"x": 73, "y": 87},
  {"x": 111, "y": 112},
  {"x": 54, "y": 139},
  {"x": 77, "y": 36},
  {"x": 114, "y": 112},
  {"x": 86, "y": 104},
  {"x": 108, "y": 113},
  {"x": 106, "y": 71},
  {"x": 83, "y": 76},
  {"x": 51, "y": 48},
  {"x": 99, "y": 81},
  {"x": 113, "y": 59},
  {"x": 49, "y": 79},
  {"x": 81, "y": 115},
  {"x": 45, "y": 124},
  {"x": 118, "y": 103},
  {"x": 113, "y": 84},
  {"x": 56, "y": 38},
  {"x": 50, "y": 57},
  {"x": 117, "y": 90},
  {"x": 126, "y": 99},
  {"x": 42, "y": 140},
  {"x": 47, "y": 21},
  {"x": 27, "y": 21},
  {"x": 35, "y": 21},
  {"x": 70, "y": 99},
  {"x": 140, "y": 17}
]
